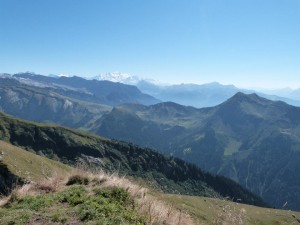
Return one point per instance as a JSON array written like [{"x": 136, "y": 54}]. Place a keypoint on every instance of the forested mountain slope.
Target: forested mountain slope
[{"x": 169, "y": 174}]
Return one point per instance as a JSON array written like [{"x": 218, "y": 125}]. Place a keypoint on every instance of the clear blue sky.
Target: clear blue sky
[{"x": 242, "y": 42}]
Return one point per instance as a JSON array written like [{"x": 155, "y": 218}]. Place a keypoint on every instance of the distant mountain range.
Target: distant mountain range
[
  {"x": 248, "y": 138},
  {"x": 284, "y": 92},
  {"x": 119, "y": 88},
  {"x": 117, "y": 77},
  {"x": 198, "y": 95},
  {"x": 205, "y": 95},
  {"x": 104, "y": 92}
]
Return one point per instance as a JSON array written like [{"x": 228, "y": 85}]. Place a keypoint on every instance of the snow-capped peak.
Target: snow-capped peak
[
  {"x": 64, "y": 75},
  {"x": 118, "y": 77}
]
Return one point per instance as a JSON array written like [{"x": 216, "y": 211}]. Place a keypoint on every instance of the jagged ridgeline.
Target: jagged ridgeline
[{"x": 170, "y": 174}]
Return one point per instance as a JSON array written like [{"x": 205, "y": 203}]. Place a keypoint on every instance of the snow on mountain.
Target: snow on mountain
[
  {"x": 5, "y": 75},
  {"x": 64, "y": 75},
  {"x": 118, "y": 77}
]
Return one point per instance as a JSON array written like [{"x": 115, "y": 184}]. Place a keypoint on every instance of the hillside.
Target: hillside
[
  {"x": 167, "y": 173},
  {"x": 29, "y": 166},
  {"x": 64, "y": 195},
  {"x": 49, "y": 104},
  {"x": 69, "y": 101},
  {"x": 215, "y": 211},
  {"x": 53, "y": 193},
  {"x": 250, "y": 139}
]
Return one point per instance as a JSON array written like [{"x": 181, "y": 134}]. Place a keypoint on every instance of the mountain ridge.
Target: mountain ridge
[
  {"x": 197, "y": 95},
  {"x": 239, "y": 139},
  {"x": 170, "y": 174},
  {"x": 224, "y": 139},
  {"x": 115, "y": 93}
]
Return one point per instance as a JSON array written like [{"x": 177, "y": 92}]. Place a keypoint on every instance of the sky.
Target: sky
[{"x": 248, "y": 43}]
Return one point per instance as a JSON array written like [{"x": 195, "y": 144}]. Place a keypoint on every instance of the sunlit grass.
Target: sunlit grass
[
  {"x": 28, "y": 165},
  {"x": 216, "y": 211}
]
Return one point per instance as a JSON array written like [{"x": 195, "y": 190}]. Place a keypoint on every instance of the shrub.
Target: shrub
[
  {"x": 78, "y": 179},
  {"x": 74, "y": 195}
]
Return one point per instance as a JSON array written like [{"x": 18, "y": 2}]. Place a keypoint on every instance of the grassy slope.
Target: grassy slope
[
  {"x": 30, "y": 166},
  {"x": 62, "y": 206},
  {"x": 74, "y": 205},
  {"x": 80, "y": 204},
  {"x": 81, "y": 197},
  {"x": 215, "y": 211}
]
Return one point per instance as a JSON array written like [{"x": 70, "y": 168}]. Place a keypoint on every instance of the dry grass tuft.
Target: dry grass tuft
[
  {"x": 47, "y": 185},
  {"x": 157, "y": 211},
  {"x": 52, "y": 184}
]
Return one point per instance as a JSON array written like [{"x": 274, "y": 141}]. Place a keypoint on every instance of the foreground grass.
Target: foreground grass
[
  {"x": 222, "y": 212},
  {"x": 102, "y": 199},
  {"x": 83, "y": 198},
  {"x": 59, "y": 194},
  {"x": 75, "y": 205}
]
